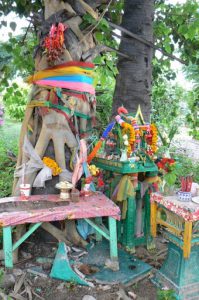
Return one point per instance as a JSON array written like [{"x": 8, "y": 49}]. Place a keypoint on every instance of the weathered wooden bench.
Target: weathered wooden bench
[{"x": 41, "y": 209}]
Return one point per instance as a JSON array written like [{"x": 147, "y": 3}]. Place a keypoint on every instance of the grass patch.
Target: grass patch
[{"x": 9, "y": 134}]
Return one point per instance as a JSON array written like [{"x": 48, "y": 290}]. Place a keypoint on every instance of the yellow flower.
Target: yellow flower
[
  {"x": 49, "y": 162},
  {"x": 129, "y": 130},
  {"x": 154, "y": 132},
  {"x": 93, "y": 170}
]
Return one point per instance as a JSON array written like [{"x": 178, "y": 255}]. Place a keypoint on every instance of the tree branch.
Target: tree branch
[
  {"x": 25, "y": 35},
  {"x": 89, "y": 9},
  {"x": 100, "y": 18},
  {"x": 93, "y": 52},
  {"x": 144, "y": 41}
]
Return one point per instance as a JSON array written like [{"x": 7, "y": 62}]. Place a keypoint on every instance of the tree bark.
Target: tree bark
[
  {"x": 52, "y": 133},
  {"x": 133, "y": 83}
]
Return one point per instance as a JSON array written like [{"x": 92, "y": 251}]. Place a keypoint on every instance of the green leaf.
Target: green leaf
[
  {"x": 99, "y": 36},
  {"x": 15, "y": 85},
  {"x": 4, "y": 23},
  {"x": 13, "y": 26},
  {"x": 98, "y": 60},
  {"x": 170, "y": 178}
]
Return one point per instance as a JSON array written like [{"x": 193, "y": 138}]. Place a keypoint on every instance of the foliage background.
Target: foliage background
[{"x": 8, "y": 147}]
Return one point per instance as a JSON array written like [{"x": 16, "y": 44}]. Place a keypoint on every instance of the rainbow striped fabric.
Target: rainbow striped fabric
[{"x": 73, "y": 75}]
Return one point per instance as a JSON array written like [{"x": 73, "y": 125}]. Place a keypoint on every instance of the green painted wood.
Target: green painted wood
[
  {"x": 61, "y": 268},
  {"x": 119, "y": 230},
  {"x": 174, "y": 239},
  {"x": 26, "y": 235},
  {"x": 125, "y": 167},
  {"x": 195, "y": 240},
  {"x": 180, "y": 274},
  {"x": 131, "y": 268},
  {"x": 129, "y": 224},
  {"x": 179, "y": 241},
  {"x": 98, "y": 228},
  {"x": 147, "y": 222},
  {"x": 113, "y": 238},
  {"x": 7, "y": 246},
  {"x": 140, "y": 241},
  {"x": 98, "y": 221},
  {"x": 126, "y": 229}
]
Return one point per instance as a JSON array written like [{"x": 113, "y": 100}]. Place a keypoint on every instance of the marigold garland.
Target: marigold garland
[
  {"x": 50, "y": 163},
  {"x": 129, "y": 130},
  {"x": 154, "y": 132}
]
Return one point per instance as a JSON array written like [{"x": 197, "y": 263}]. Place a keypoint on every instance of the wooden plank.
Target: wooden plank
[
  {"x": 173, "y": 229},
  {"x": 26, "y": 235},
  {"x": 7, "y": 246},
  {"x": 154, "y": 219},
  {"x": 187, "y": 239},
  {"x": 113, "y": 238},
  {"x": 98, "y": 228}
]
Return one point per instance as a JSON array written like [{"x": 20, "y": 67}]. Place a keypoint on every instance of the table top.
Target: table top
[
  {"x": 46, "y": 208},
  {"x": 187, "y": 210}
]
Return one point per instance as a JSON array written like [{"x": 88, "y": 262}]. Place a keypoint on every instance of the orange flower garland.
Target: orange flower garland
[
  {"x": 154, "y": 132},
  {"x": 128, "y": 129},
  {"x": 50, "y": 163}
]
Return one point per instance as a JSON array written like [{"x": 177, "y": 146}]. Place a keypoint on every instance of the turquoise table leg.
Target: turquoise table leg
[
  {"x": 7, "y": 246},
  {"x": 113, "y": 238},
  {"x": 98, "y": 221}
]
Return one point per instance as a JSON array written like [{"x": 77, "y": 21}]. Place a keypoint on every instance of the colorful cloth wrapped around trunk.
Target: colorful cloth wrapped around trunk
[{"x": 72, "y": 75}]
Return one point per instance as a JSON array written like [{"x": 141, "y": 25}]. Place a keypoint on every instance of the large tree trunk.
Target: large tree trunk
[
  {"x": 52, "y": 133},
  {"x": 133, "y": 83}
]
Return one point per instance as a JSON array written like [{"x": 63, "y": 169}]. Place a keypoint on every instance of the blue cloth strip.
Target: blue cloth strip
[{"x": 76, "y": 78}]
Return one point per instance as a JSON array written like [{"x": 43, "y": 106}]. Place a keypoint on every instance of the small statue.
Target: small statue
[{"x": 124, "y": 155}]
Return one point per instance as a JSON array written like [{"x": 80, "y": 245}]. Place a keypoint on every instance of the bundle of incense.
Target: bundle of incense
[
  {"x": 186, "y": 183},
  {"x": 189, "y": 183}
]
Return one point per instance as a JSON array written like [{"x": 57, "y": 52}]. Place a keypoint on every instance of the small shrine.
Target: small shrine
[
  {"x": 127, "y": 145},
  {"x": 125, "y": 155}
]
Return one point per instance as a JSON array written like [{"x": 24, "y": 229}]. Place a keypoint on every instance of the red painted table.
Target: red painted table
[{"x": 45, "y": 208}]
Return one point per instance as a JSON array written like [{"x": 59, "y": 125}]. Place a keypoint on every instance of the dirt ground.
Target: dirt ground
[{"x": 24, "y": 285}]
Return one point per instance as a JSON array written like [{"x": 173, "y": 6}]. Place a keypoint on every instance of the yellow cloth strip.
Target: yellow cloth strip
[
  {"x": 58, "y": 72},
  {"x": 125, "y": 190},
  {"x": 36, "y": 103}
]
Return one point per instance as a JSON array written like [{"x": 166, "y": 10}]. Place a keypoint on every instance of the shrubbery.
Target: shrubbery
[{"x": 8, "y": 145}]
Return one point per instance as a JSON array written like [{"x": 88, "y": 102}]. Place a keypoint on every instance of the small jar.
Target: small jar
[{"x": 75, "y": 195}]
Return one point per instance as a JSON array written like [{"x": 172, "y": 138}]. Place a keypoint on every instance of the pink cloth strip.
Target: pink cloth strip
[
  {"x": 78, "y": 170},
  {"x": 81, "y": 87}
]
